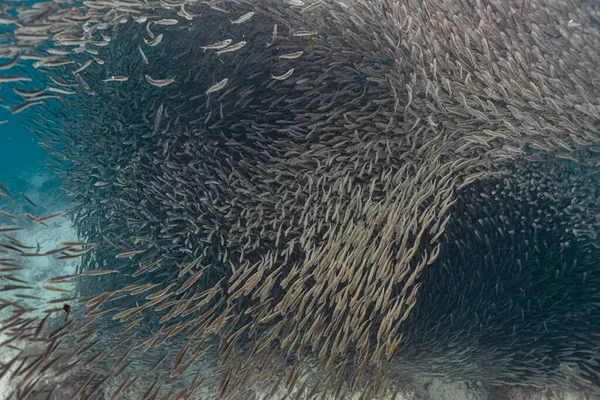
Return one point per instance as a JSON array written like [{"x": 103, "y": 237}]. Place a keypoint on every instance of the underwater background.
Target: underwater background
[{"x": 269, "y": 190}]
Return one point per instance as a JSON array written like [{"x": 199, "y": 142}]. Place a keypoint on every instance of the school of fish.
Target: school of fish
[{"x": 322, "y": 196}]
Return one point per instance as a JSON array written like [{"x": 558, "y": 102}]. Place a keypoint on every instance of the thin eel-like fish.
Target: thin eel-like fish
[
  {"x": 116, "y": 79},
  {"x": 14, "y": 78},
  {"x": 25, "y": 106},
  {"x": 129, "y": 253},
  {"x": 218, "y": 45},
  {"x": 232, "y": 48},
  {"x": 284, "y": 76},
  {"x": 160, "y": 82},
  {"x": 291, "y": 56},
  {"x": 28, "y": 199},
  {"x": 144, "y": 58}
]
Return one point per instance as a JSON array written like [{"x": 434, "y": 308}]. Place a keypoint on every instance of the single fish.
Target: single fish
[
  {"x": 144, "y": 58},
  {"x": 291, "y": 56},
  {"x": 273, "y": 36},
  {"x": 13, "y": 78},
  {"x": 28, "y": 199},
  {"x": 51, "y": 63},
  {"x": 10, "y": 230},
  {"x": 219, "y": 9},
  {"x": 232, "y": 48},
  {"x": 60, "y": 91},
  {"x": 55, "y": 289},
  {"x": 217, "y": 86},
  {"x": 9, "y": 215},
  {"x": 4, "y": 189},
  {"x": 25, "y": 106},
  {"x": 61, "y": 83},
  {"x": 166, "y": 22},
  {"x": 305, "y": 33},
  {"x": 160, "y": 82},
  {"x": 116, "y": 79},
  {"x": 284, "y": 76},
  {"x": 217, "y": 46},
  {"x": 47, "y": 217},
  {"x": 100, "y": 272},
  {"x": 243, "y": 18},
  {"x": 28, "y": 93},
  {"x": 77, "y": 244},
  {"x": 83, "y": 66},
  {"x": 129, "y": 254}
]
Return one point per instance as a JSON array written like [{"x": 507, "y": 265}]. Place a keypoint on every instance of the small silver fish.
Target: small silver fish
[
  {"x": 217, "y": 86},
  {"x": 219, "y": 9},
  {"x": 51, "y": 63},
  {"x": 155, "y": 41},
  {"x": 217, "y": 46},
  {"x": 83, "y": 66},
  {"x": 232, "y": 48},
  {"x": 12, "y": 78},
  {"x": 243, "y": 18},
  {"x": 284, "y": 76},
  {"x": 305, "y": 33},
  {"x": 159, "y": 82},
  {"x": 166, "y": 22},
  {"x": 60, "y": 91},
  {"x": 144, "y": 58},
  {"x": 291, "y": 56},
  {"x": 116, "y": 79}
]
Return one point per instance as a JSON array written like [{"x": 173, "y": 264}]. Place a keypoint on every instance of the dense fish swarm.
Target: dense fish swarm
[{"x": 366, "y": 188}]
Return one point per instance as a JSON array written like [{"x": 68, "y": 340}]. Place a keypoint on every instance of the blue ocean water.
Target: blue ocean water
[{"x": 21, "y": 156}]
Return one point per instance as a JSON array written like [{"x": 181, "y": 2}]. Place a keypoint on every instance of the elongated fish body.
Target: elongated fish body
[
  {"x": 243, "y": 18},
  {"x": 14, "y": 78},
  {"x": 217, "y": 46},
  {"x": 116, "y": 79},
  {"x": 217, "y": 86},
  {"x": 155, "y": 41},
  {"x": 305, "y": 33},
  {"x": 291, "y": 56},
  {"x": 160, "y": 82},
  {"x": 232, "y": 48},
  {"x": 284, "y": 76}
]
